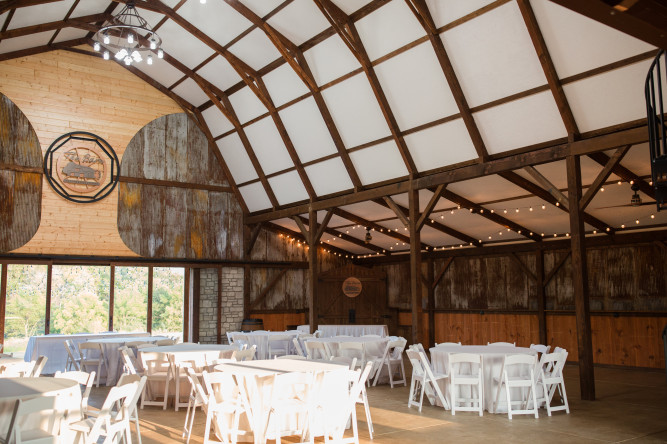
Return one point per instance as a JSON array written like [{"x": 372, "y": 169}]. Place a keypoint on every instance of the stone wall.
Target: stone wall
[{"x": 232, "y": 303}]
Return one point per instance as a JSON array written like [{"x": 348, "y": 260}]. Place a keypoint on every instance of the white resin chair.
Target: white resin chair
[
  {"x": 292, "y": 395},
  {"x": 424, "y": 381},
  {"x": 279, "y": 345},
  {"x": 132, "y": 403},
  {"x": 466, "y": 369},
  {"x": 297, "y": 347},
  {"x": 392, "y": 358},
  {"x": 353, "y": 350},
  {"x": 198, "y": 397},
  {"x": 222, "y": 397},
  {"x": 318, "y": 350},
  {"x": 350, "y": 362},
  {"x": 240, "y": 339},
  {"x": 245, "y": 355},
  {"x": 22, "y": 409},
  {"x": 157, "y": 369},
  {"x": 37, "y": 367},
  {"x": 542, "y": 349},
  {"x": 92, "y": 355},
  {"x": 450, "y": 344},
  {"x": 550, "y": 376},
  {"x": 508, "y": 344},
  {"x": 518, "y": 372},
  {"x": 418, "y": 347},
  {"x": 129, "y": 361},
  {"x": 84, "y": 379},
  {"x": 179, "y": 366},
  {"x": 73, "y": 356}
]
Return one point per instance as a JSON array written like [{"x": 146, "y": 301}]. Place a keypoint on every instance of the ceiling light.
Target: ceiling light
[
  {"x": 368, "y": 236},
  {"x": 129, "y": 36}
]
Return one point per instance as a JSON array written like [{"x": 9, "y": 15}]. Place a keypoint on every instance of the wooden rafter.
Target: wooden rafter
[
  {"x": 548, "y": 186},
  {"x": 323, "y": 225},
  {"x": 13, "y": 4},
  {"x": 398, "y": 211},
  {"x": 67, "y": 16},
  {"x": 523, "y": 266},
  {"x": 42, "y": 49},
  {"x": 545, "y": 195},
  {"x": 602, "y": 176},
  {"x": 251, "y": 238},
  {"x": 549, "y": 69},
  {"x": 78, "y": 22},
  {"x": 494, "y": 217},
  {"x": 431, "y": 204},
  {"x": 625, "y": 174},
  {"x": 265, "y": 292},
  {"x": 347, "y": 31},
  {"x": 343, "y": 236},
  {"x": 421, "y": 11},
  {"x": 442, "y": 271},
  {"x": 269, "y": 226}
]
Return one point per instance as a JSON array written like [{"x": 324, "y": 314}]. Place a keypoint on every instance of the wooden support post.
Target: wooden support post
[
  {"x": 430, "y": 276},
  {"x": 149, "y": 308},
  {"x": 541, "y": 295},
  {"x": 3, "y": 301},
  {"x": 312, "y": 268},
  {"x": 112, "y": 288},
  {"x": 195, "y": 284},
  {"x": 580, "y": 281},
  {"x": 186, "y": 306},
  {"x": 47, "y": 314},
  {"x": 415, "y": 265}
]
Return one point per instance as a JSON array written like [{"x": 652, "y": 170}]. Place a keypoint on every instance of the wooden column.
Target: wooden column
[
  {"x": 149, "y": 304},
  {"x": 541, "y": 296},
  {"x": 112, "y": 285},
  {"x": 312, "y": 268},
  {"x": 186, "y": 306},
  {"x": 3, "y": 301},
  {"x": 580, "y": 280},
  {"x": 219, "y": 316},
  {"x": 47, "y": 313},
  {"x": 194, "y": 297},
  {"x": 415, "y": 265},
  {"x": 430, "y": 276}
]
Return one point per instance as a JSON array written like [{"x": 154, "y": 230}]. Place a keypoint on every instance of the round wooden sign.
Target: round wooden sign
[{"x": 352, "y": 287}]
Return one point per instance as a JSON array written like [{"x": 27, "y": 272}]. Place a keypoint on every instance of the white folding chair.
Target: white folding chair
[
  {"x": 318, "y": 350},
  {"x": 509, "y": 344},
  {"x": 292, "y": 395},
  {"x": 466, "y": 369},
  {"x": 73, "y": 356},
  {"x": 22, "y": 409},
  {"x": 132, "y": 404},
  {"x": 37, "y": 367},
  {"x": 240, "y": 339},
  {"x": 451, "y": 344},
  {"x": 297, "y": 347},
  {"x": 16, "y": 369},
  {"x": 197, "y": 362},
  {"x": 245, "y": 355},
  {"x": 84, "y": 379},
  {"x": 157, "y": 369},
  {"x": 518, "y": 372},
  {"x": 222, "y": 397},
  {"x": 92, "y": 355},
  {"x": 353, "y": 350},
  {"x": 393, "y": 355},
  {"x": 129, "y": 361},
  {"x": 198, "y": 397},
  {"x": 424, "y": 381},
  {"x": 163, "y": 342},
  {"x": 541, "y": 349},
  {"x": 551, "y": 377},
  {"x": 279, "y": 345},
  {"x": 350, "y": 362}
]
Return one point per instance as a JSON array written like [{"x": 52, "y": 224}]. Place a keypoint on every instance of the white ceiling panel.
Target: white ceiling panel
[
  {"x": 369, "y": 211},
  {"x": 493, "y": 55},
  {"x": 28, "y": 41},
  {"x": 334, "y": 222},
  {"x": 389, "y": 27},
  {"x": 191, "y": 92},
  {"x": 255, "y": 49},
  {"x": 268, "y": 146},
  {"x": 549, "y": 220},
  {"x": 556, "y": 172},
  {"x": 441, "y": 145},
  {"x": 299, "y": 21},
  {"x": 262, "y": 7},
  {"x": 236, "y": 158},
  {"x": 378, "y": 163},
  {"x": 246, "y": 105},
  {"x": 638, "y": 160},
  {"x": 66, "y": 34},
  {"x": 351, "y": 6},
  {"x": 216, "y": 121},
  {"x": 288, "y": 188},
  {"x": 220, "y": 73},
  {"x": 179, "y": 43},
  {"x": 45, "y": 13},
  {"x": 329, "y": 177},
  {"x": 444, "y": 12},
  {"x": 255, "y": 197},
  {"x": 577, "y": 43},
  {"x": 330, "y": 59},
  {"x": 416, "y": 87},
  {"x": 424, "y": 198},
  {"x": 355, "y": 111},
  {"x": 90, "y": 7},
  {"x": 161, "y": 71},
  {"x": 477, "y": 226},
  {"x": 610, "y": 98},
  {"x": 307, "y": 130},
  {"x": 284, "y": 84},
  {"x": 216, "y": 19},
  {"x": 520, "y": 123},
  {"x": 486, "y": 188}
]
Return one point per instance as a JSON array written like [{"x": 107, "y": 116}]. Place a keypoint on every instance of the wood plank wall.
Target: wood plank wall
[{"x": 60, "y": 92}]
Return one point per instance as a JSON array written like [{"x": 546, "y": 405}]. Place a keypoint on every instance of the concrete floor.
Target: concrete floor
[{"x": 631, "y": 407}]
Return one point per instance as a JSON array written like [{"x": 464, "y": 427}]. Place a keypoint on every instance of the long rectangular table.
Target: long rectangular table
[
  {"x": 53, "y": 347},
  {"x": 353, "y": 330}
]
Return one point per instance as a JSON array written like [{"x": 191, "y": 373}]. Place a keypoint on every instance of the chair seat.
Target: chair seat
[
  {"x": 84, "y": 425},
  {"x": 37, "y": 434}
]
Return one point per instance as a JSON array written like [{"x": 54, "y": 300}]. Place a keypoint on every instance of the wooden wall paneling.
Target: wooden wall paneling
[
  {"x": 3, "y": 300},
  {"x": 558, "y": 289},
  {"x": 155, "y": 152},
  {"x": 181, "y": 164},
  {"x": 220, "y": 230},
  {"x": 398, "y": 285},
  {"x": 197, "y": 228},
  {"x": 562, "y": 332},
  {"x": 541, "y": 296},
  {"x": 175, "y": 236},
  {"x": 280, "y": 321},
  {"x": 130, "y": 223},
  {"x": 152, "y": 216}
]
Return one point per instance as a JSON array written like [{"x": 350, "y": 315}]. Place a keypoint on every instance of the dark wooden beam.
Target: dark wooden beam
[
  {"x": 523, "y": 266},
  {"x": 41, "y": 49},
  {"x": 112, "y": 294},
  {"x": 510, "y": 162},
  {"x": 541, "y": 297},
  {"x": 555, "y": 269},
  {"x": 299, "y": 237},
  {"x": 373, "y": 226},
  {"x": 12, "y": 4},
  {"x": 3, "y": 300},
  {"x": 323, "y": 226},
  {"x": 78, "y": 22},
  {"x": 602, "y": 176},
  {"x": 149, "y": 302},
  {"x": 442, "y": 271},
  {"x": 430, "y": 279},
  {"x": 313, "y": 270},
  {"x": 47, "y": 314},
  {"x": 580, "y": 281},
  {"x": 251, "y": 238},
  {"x": 548, "y": 186},
  {"x": 625, "y": 174},
  {"x": 431, "y": 204},
  {"x": 393, "y": 206},
  {"x": 415, "y": 266},
  {"x": 218, "y": 318},
  {"x": 344, "y": 236}
]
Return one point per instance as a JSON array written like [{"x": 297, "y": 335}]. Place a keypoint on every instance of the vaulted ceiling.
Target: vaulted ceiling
[{"x": 316, "y": 101}]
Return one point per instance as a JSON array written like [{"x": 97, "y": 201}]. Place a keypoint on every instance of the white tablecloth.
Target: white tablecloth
[
  {"x": 114, "y": 361},
  {"x": 257, "y": 377},
  {"x": 374, "y": 347},
  {"x": 53, "y": 347},
  {"x": 261, "y": 340},
  {"x": 68, "y": 400},
  {"x": 353, "y": 330},
  {"x": 492, "y": 362},
  {"x": 8, "y": 362},
  {"x": 303, "y": 328}
]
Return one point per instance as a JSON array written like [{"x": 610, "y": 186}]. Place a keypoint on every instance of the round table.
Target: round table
[
  {"x": 256, "y": 381},
  {"x": 492, "y": 363},
  {"x": 67, "y": 393},
  {"x": 373, "y": 347},
  {"x": 8, "y": 362}
]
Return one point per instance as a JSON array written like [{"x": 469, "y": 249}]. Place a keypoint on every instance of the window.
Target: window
[
  {"x": 79, "y": 299},
  {"x": 130, "y": 299},
  {"x": 25, "y": 306},
  {"x": 168, "y": 289}
]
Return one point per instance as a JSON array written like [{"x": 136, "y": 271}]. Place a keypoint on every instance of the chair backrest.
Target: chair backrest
[
  {"x": 126, "y": 379},
  {"x": 38, "y": 367},
  {"x": 72, "y": 351},
  {"x": 245, "y": 355},
  {"x": 415, "y": 360},
  {"x": 297, "y": 347},
  {"x": 162, "y": 342},
  {"x": 551, "y": 364},
  {"x": 350, "y": 362},
  {"x": 451, "y": 344},
  {"x": 540, "y": 348},
  {"x": 240, "y": 339},
  {"x": 472, "y": 369},
  {"x": 559, "y": 350},
  {"x": 155, "y": 362},
  {"x": 352, "y": 350},
  {"x": 129, "y": 361},
  {"x": 87, "y": 349},
  {"x": 117, "y": 397},
  {"x": 12, "y": 422},
  {"x": 318, "y": 333},
  {"x": 37, "y": 405},
  {"x": 314, "y": 347},
  {"x": 220, "y": 387},
  {"x": 509, "y": 344},
  {"x": 522, "y": 366},
  {"x": 84, "y": 379}
]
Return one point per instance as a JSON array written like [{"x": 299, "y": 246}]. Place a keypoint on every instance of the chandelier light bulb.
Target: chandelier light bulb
[
  {"x": 160, "y": 53},
  {"x": 149, "y": 59},
  {"x": 130, "y": 38},
  {"x": 203, "y": 2},
  {"x": 153, "y": 44},
  {"x": 96, "y": 46},
  {"x": 128, "y": 60},
  {"x": 106, "y": 40},
  {"x": 106, "y": 55},
  {"x": 120, "y": 55},
  {"x": 136, "y": 56},
  {"x": 652, "y": 216}
]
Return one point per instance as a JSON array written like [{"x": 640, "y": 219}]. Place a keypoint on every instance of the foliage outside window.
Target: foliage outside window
[
  {"x": 168, "y": 288},
  {"x": 130, "y": 299},
  {"x": 25, "y": 306}
]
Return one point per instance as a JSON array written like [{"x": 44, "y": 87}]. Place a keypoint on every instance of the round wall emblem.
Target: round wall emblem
[
  {"x": 81, "y": 167},
  {"x": 352, "y": 287}
]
